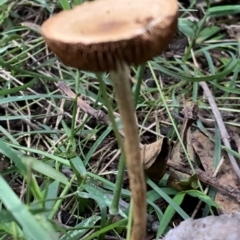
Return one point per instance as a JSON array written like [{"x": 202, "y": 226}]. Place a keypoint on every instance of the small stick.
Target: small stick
[
  {"x": 98, "y": 114},
  {"x": 206, "y": 178}
]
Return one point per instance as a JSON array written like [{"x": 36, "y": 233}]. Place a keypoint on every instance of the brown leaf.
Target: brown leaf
[
  {"x": 154, "y": 157},
  {"x": 204, "y": 149},
  {"x": 226, "y": 176}
]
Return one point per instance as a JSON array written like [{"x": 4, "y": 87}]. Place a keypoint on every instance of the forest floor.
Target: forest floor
[{"x": 59, "y": 161}]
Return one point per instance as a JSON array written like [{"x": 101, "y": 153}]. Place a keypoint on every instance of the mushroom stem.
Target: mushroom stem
[{"x": 123, "y": 93}]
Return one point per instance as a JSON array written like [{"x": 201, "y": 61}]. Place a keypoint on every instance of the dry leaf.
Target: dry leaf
[
  {"x": 204, "y": 149},
  {"x": 154, "y": 157},
  {"x": 226, "y": 176}
]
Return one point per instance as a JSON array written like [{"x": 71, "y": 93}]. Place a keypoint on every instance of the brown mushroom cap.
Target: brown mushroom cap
[{"x": 95, "y": 35}]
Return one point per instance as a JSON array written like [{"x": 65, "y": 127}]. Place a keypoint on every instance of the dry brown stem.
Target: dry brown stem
[{"x": 206, "y": 178}]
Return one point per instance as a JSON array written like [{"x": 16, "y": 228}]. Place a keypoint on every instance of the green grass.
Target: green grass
[{"x": 61, "y": 162}]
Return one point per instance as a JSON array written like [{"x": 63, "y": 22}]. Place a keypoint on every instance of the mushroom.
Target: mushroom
[{"x": 110, "y": 35}]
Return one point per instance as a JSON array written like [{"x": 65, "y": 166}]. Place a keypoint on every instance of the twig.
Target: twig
[
  {"x": 206, "y": 178},
  {"x": 98, "y": 114}
]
